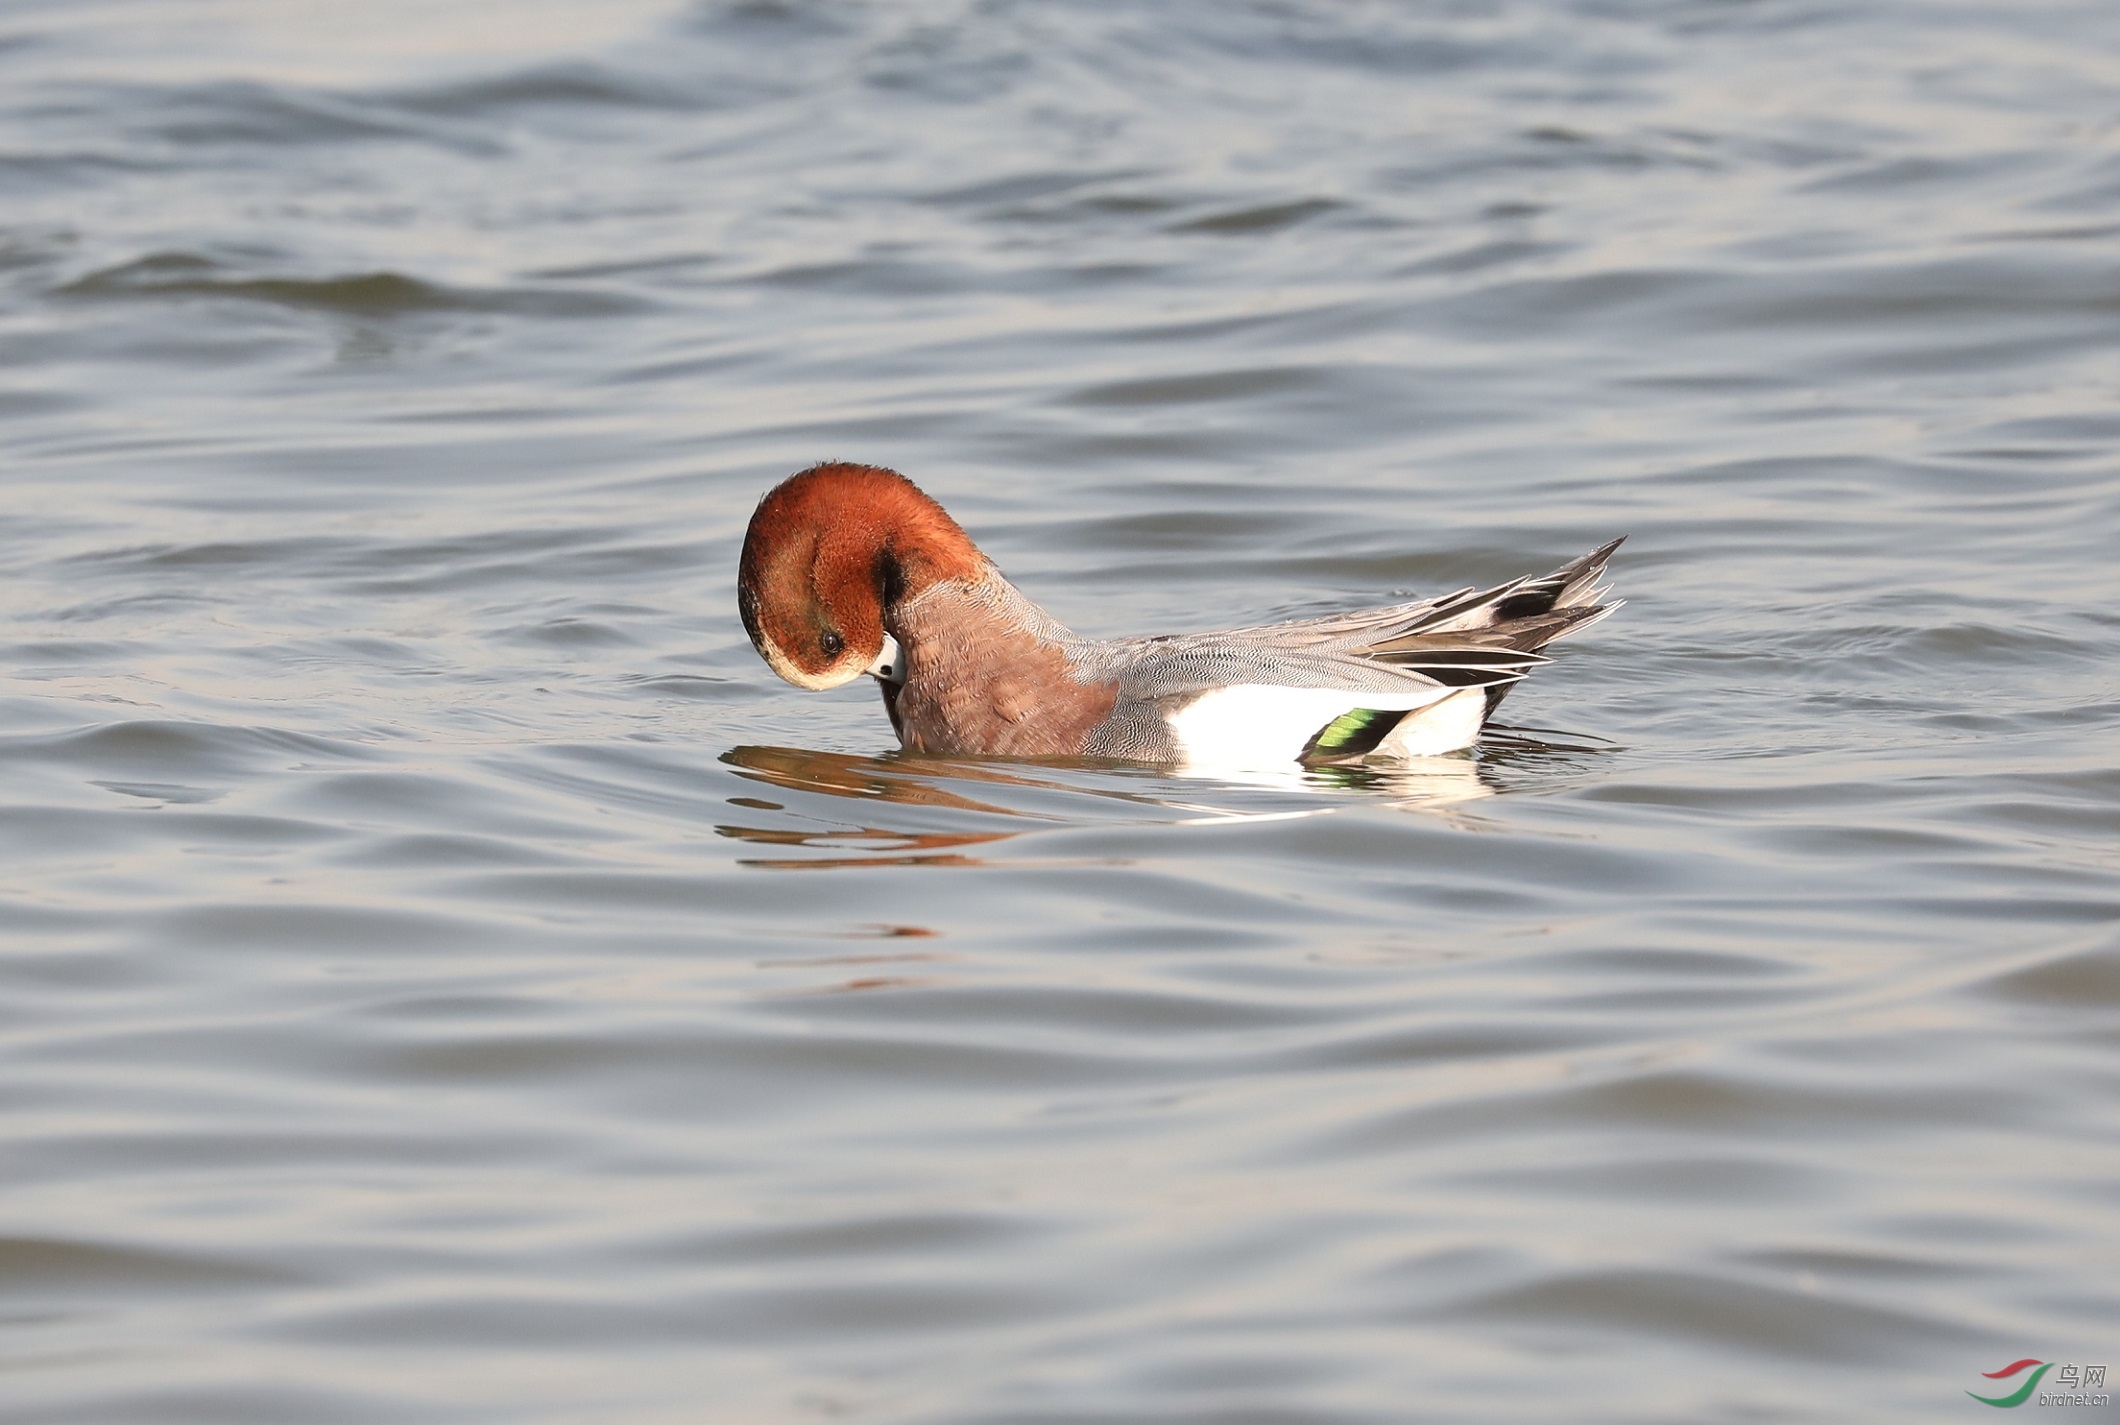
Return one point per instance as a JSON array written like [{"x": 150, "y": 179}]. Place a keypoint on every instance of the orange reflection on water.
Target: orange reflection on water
[
  {"x": 923, "y": 844},
  {"x": 867, "y": 779}
]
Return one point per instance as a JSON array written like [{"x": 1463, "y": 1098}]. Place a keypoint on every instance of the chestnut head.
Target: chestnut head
[{"x": 830, "y": 552}]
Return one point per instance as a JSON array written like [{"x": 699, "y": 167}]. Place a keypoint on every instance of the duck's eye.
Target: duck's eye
[{"x": 832, "y": 644}]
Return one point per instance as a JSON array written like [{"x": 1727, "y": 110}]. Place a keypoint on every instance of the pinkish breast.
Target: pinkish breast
[{"x": 979, "y": 684}]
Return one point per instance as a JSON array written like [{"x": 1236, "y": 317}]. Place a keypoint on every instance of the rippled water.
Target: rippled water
[{"x": 444, "y": 976}]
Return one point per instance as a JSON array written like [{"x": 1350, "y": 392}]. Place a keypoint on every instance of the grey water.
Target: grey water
[{"x": 444, "y": 976}]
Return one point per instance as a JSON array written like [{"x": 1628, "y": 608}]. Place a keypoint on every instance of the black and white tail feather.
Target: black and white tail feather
[{"x": 1504, "y": 626}]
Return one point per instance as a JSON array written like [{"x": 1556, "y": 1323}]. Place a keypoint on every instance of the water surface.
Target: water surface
[{"x": 444, "y": 976}]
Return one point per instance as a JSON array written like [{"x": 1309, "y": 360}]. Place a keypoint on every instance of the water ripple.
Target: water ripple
[{"x": 446, "y": 976}]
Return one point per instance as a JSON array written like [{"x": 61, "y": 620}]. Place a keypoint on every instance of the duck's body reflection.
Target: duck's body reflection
[{"x": 937, "y": 807}]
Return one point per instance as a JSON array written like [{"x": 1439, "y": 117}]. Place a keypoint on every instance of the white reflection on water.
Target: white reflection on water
[{"x": 979, "y": 787}]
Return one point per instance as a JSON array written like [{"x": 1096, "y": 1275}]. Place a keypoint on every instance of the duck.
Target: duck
[{"x": 851, "y": 570}]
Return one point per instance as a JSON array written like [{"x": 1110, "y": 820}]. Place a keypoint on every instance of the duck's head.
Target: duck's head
[{"x": 830, "y": 552}]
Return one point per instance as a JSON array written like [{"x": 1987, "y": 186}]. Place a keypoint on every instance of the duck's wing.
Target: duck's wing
[
  {"x": 1466, "y": 639},
  {"x": 1349, "y": 629},
  {"x": 1523, "y": 614},
  {"x": 1340, "y": 686},
  {"x": 1164, "y": 670}
]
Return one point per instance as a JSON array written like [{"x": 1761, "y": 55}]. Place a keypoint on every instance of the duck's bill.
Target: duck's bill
[{"x": 890, "y": 663}]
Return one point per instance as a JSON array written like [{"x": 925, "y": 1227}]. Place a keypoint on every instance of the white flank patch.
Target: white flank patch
[
  {"x": 1450, "y": 724},
  {"x": 1254, "y": 726}
]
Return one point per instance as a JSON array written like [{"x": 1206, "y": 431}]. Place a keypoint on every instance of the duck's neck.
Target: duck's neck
[
  {"x": 988, "y": 601},
  {"x": 988, "y": 672}
]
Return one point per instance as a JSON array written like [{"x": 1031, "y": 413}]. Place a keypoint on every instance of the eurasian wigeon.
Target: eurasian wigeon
[{"x": 850, "y": 569}]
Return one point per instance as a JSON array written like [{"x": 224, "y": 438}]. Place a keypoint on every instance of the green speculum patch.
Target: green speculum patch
[{"x": 1354, "y": 733}]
